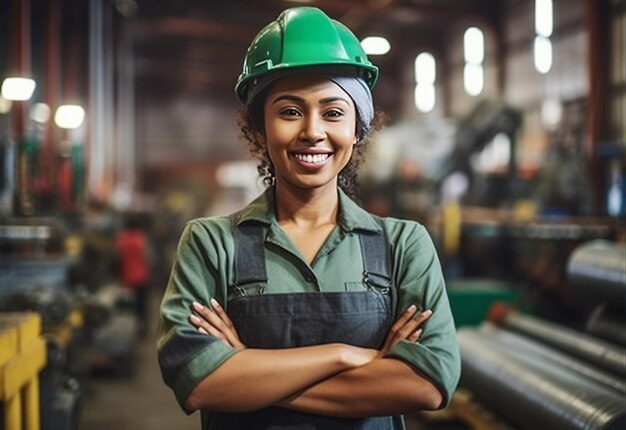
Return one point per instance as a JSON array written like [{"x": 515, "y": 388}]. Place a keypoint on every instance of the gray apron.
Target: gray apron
[{"x": 360, "y": 318}]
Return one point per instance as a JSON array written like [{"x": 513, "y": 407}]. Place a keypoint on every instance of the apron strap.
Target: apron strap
[
  {"x": 249, "y": 241},
  {"x": 376, "y": 256},
  {"x": 249, "y": 253}
]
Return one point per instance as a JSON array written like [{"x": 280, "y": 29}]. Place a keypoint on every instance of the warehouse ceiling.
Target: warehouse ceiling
[
  {"x": 182, "y": 57},
  {"x": 177, "y": 61},
  {"x": 198, "y": 46}
]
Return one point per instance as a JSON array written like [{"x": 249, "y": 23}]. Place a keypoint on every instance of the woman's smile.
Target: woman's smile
[{"x": 312, "y": 160}]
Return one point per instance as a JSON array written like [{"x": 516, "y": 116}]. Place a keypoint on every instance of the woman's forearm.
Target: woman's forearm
[
  {"x": 256, "y": 378},
  {"x": 382, "y": 387}
]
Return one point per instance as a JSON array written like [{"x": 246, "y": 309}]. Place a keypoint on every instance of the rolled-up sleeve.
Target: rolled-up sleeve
[
  {"x": 186, "y": 356},
  {"x": 419, "y": 280}
]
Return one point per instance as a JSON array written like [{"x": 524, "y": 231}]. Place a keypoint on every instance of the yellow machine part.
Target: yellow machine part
[{"x": 22, "y": 356}]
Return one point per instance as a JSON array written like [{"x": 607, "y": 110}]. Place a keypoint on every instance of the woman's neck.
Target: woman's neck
[{"x": 307, "y": 209}]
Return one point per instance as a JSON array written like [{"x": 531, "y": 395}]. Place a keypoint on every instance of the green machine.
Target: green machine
[{"x": 471, "y": 299}]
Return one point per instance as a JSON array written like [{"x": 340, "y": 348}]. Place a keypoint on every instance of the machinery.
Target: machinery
[
  {"x": 535, "y": 373},
  {"x": 83, "y": 330},
  {"x": 34, "y": 278},
  {"x": 487, "y": 120}
]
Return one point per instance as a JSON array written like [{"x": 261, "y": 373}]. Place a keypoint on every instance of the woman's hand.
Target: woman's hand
[
  {"x": 215, "y": 322},
  {"x": 407, "y": 327}
]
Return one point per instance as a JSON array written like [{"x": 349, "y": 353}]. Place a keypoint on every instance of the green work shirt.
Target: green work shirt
[{"x": 204, "y": 269}]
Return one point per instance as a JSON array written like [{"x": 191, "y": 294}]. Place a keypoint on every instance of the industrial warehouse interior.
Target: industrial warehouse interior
[{"x": 504, "y": 136}]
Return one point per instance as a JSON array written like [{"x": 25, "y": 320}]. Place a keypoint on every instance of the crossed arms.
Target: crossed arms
[{"x": 332, "y": 379}]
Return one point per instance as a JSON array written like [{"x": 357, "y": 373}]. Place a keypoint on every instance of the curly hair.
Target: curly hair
[{"x": 251, "y": 124}]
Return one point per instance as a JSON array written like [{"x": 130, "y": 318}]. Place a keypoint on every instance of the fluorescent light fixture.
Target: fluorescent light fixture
[
  {"x": 69, "y": 116},
  {"x": 473, "y": 79},
  {"x": 375, "y": 45},
  {"x": 543, "y": 17},
  {"x": 543, "y": 54},
  {"x": 40, "y": 112},
  {"x": 18, "y": 89},
  {"x": 424, "y": 97},
  {"x": 425, "y": 68},
  {"x": 551, "y": 112},
  {"x": 474, "y": 46}
]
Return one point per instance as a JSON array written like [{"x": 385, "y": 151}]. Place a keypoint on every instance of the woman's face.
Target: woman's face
[{"x": 310, "y": 130}]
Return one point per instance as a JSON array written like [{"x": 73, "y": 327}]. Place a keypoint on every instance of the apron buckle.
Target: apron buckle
[
  {"x": 262, "y": 288},
  {"x": 373, "y": 285}
]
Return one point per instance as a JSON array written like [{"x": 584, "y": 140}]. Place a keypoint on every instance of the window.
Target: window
[
  {"x": 542, "y": 48},
  {"x": 425, "y": 77},
  {"x": 474, "y": 56}
]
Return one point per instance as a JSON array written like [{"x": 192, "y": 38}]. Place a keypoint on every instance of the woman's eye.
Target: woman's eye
[
  {"x": 334, "y": 113},
  {"x": 289, "y": 112}
]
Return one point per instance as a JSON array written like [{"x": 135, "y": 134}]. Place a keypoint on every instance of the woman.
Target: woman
[{"x": 302, "y": 310}]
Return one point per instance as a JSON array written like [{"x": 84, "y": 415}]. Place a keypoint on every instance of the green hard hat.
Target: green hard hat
[{"x": 303, "y": 37}]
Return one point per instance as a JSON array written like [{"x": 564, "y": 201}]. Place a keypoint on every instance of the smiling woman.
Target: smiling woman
[
  {"x": 350, "y": 90},
  {"x": 302, "y": 310},
  {"x": 310, "y": 130}
]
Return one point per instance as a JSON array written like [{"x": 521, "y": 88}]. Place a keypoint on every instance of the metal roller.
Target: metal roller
[
  {"x": 526, "y": 346},
  {"x": 596, "y": 273},
  {"x": 531, "y": 393},
  {"x": 595, "y": 351},
  {"x": 609, "y": 327}
]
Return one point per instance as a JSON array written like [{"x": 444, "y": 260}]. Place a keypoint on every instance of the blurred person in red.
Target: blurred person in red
[{"x": 133, "y": 265}]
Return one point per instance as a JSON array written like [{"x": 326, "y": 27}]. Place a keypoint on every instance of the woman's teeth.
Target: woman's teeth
[{"x": 310, "y": 158}]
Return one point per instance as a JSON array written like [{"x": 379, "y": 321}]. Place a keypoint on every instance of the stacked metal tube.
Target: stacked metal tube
[
  {"x": 533, "y": 388},
  {"x": 536, "y": 374},
  {"x": 600, "y": 353},
  {"x": 596, "y": 274}
]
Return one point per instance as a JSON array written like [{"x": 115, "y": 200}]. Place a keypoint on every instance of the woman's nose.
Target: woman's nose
[{"x": 312, "y": 130}]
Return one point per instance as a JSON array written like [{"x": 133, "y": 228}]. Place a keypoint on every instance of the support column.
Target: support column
[
  {"x": 20, "y": 66},
  {"x": 597, "y": 23}
]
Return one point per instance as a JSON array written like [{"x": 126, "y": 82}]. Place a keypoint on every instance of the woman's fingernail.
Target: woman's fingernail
[
  {"x": 427, "y": 313},
  {"x": 197, "y": 306},
  {"x": 203, "y": 331},
  {"x": 214, "y": 302},
  {"x": 412, "y": 308},
  {"x": 194, "y": 318}
]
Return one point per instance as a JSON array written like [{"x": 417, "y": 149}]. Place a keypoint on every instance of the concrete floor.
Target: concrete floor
[{"x": 141, "y": 402}]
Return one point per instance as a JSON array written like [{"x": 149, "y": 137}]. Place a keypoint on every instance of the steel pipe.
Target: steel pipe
[
  {"x": 596, "y": 273},
  {"x": 603, "y": 324},
  {"x": 532, "y": 393},
  {"x": 603, "y": 354},
  {"x": 523, "y": 345}
]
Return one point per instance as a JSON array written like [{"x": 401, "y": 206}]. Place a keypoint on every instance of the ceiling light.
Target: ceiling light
[
  {"x": 69, "y": 116},
  {"x": 40, "y": 112},
  {"x": 551, "y": 112},
  {"x": 473, "y": 79},
  {"x": 474, "y": 46},
  {"x": 425, "y": 68},
  {"x": 543, "y": 17},
  {"x": 543, "y": 54},
  {"x": 424, "y": 97},
  {"x": 18, "y": 89},
  {"x": 375, "y": 45}
]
